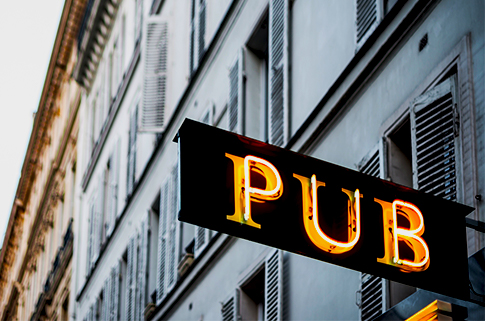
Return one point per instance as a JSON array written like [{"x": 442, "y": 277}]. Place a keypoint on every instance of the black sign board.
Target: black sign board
[{"x": 266, "y": 194}]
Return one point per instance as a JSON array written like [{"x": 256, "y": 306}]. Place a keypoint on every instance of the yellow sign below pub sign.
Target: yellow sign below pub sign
[{"x": 266, "y": 194}]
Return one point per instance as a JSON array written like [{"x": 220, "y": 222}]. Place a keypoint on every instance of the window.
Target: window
[{"x": 260, "y": 296}]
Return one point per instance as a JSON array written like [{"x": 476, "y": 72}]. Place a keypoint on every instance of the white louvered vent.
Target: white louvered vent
[
  {"x": 278, "y": 73},
  {"x": 155, "y": 76},
  {"x": 434, "y": 127},
  {"x": 372, "y": 287},
  {"x": 367, "y": 18},
  {"x": 273, "y": 289}
]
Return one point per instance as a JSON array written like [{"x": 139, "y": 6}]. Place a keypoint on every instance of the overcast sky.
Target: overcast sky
[{"x": 27, "y": 33}]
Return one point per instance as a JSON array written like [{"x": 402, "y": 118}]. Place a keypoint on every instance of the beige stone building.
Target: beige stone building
[{"x": 35, "y": 260}]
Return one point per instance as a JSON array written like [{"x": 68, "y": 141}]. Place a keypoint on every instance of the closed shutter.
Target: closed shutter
[
  {"x": 132, "y": 153},
  {"x": 278, "y": 72},
  {"x": 273, "y": 286},
  {"x": 202, "y": 23},
  {"x": 230, "y": 308},
  {"x": 115, "y": 292},
  {"x": 192, "y": 62},
  {"x": 434, "y": 127},
  {"x": 236, "y": 95},
  {"x": 105, "y": 304},
  {"x": 372, "y": 288},
  {"x": 162, "y": 242},
  {"x": 112, "y": 202},
  {"x": 367, "y": 19},
  {"x": 138, "y": 18},
  {"x": 155, "y": 75},
  {"x": 141, "y": 286},
  {"x": 130, "y": 310},
  {"x": 100, "y": 214},
  {"x": 202, "y": 235},
  {"x": 173, "y": 255},
  {"x": 91, "y": 225}
]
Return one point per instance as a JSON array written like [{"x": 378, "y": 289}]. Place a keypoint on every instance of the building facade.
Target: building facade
[
  {"x": 35, "y": 261},
  {"x": 394, "y": 89}
]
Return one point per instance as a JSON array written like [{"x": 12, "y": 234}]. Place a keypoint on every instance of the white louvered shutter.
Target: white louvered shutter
[
  {"x": 130, "y": 310},
  {"x": 202, "y": 235},
  {"x": 368, "y": 16},
  {"x": 202, "y": 27},
  {"x": 192, "y": 62},
  {"x": 105, "y": 304},
  {"x": 91, "y": 224},
  {"x": 112, "y": 203},
  {"x": 162, "y": 242},
  {"x": 173, "y": 253},
  {"x": 142, "y": 274},
  {"x": 435, "y": 128},
  {"x": 115, "y": 292},
  {"x": 230, "y": 308},
  {"x": 100, "y": 214},
  {"x": 278, "y": 55},
  {"x": 273, "y": 286},
  {"x": 138, "y": 18},
  {"x": 373, "y": 288},
  {"x": 109, "y": 224},
  {"x": 155, "y": 75},
  {"x": 236, "y": 95},
  {"x": 131, "y": 170}
]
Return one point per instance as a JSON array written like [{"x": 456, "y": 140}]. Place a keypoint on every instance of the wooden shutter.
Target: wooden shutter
[
  {"x": 278, "y": 72},
  {"x": 130, "y": 311},
  {"x": 162, "y": 242},
  {"x": 141, "y": 286},
  {"x": 434, "y": 128},
  {"x": 230, "y": 308},
  {"x": 273, "y": 286},
  {"x": 372, "y": 288},
  {"x": 368, "y": 14},
  {"x": 202, "y": 23},
  {"x": 132, "y": 153},
  {"x": 115, "y": 292},
  {"x": 155, "y": 75},
  {"x": 236, "y": 95}
]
